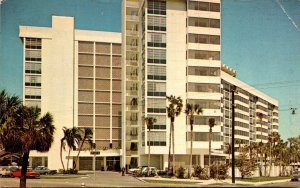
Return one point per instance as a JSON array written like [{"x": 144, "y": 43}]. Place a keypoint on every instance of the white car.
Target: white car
[
  {"x": 4, "y": 172},
  {"x": 152, "y": 171}
]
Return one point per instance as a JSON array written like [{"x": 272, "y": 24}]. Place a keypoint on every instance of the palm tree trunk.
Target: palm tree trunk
[
  {"x": 80, "y": 148},
  {"x": 149, "y": 152},
  {"x": 191, "y": 154},
  {"x": 173, "y": 145},
  {"x": 209, "y": 151},
  {"x": 169, "y": 157},
  {"x": 61, "y": 159},
  {"x": 270, "y": 161},
  {"x": 68, "y": 159},
  {"x": 24, "y": 169}
]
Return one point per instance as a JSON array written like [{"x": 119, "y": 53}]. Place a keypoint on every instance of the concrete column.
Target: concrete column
[
  {"x": 104, "y": 161},
  {"x": 202, "y": 160}
]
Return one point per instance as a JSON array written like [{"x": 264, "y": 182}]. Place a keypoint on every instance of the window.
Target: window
[
  {"x": 33, "y": 68},
  {"x": 204, "y": 22},
  {"x": 195, "y": 87},
  {"x": 156, "y": 105},
  {"x": 203, "y": 71},
  {"x": 32, "y": 93},
  {"x": 160, "y": 122},
  {"x": 156, "y": 39},
  {"x": 31, "y": 80},
  {"x": 205, "y": 39},
  {"x": 207, "y": 104},
  {"x": 156, "y": 72},
  {"x": 157, "y": 7},
  {"x": 202, "y": 136},
  {"x": 156, "y": 23},
  {"x": 203, "y": 120},
  {"x": 33, "y": 43},
  {"x": 156, "y": 89},
  {"x": 200, "y": 54},
  {"x": 157, "y": 56}
]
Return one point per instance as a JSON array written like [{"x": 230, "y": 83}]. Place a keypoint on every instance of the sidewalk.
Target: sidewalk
[{"x": 212, "y": 181}]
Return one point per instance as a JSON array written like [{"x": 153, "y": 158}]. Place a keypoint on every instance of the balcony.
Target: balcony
[
  {"x": 131, "y": 62},
  {"x": 132, "y": 18},
  {"x": 132, "y": 4}
]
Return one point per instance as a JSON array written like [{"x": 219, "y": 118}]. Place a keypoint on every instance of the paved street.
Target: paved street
[{"x": 114, "y": 179}]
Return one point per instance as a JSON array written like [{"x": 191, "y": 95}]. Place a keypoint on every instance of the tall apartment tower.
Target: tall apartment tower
[{"x": 175, "y": 46}]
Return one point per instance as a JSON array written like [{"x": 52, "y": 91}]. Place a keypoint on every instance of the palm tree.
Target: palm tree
[
  {"x": 87, "y": 136},
  {"x": 273, "y": 139},
  {"x": 211, "y": 123},
  {"x": 8, "y": 107},
  {"x": 174, "y": 109},
  {"x": 31, "y": 132},
  {"x": 260, "y": 116},
  {"x": 63, "y": 147},
  {"x": 149, "y": 121},
  {"x": 73, "y": 137},
  {"x": 190, "y": 111}
]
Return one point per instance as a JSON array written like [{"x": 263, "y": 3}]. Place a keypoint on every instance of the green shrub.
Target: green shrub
[
  {"x": 198, "y": 170},
  {"x": 180, "y": 172},
  {"x": 218, "y": 171}
]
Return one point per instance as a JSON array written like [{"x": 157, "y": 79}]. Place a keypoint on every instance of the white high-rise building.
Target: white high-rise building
[{"x": 110, "y": 81}]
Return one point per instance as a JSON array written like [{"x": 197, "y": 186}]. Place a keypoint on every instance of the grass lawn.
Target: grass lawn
[
  {"x": 170, "y": 182},
  {"x": 260, "y": 179}
]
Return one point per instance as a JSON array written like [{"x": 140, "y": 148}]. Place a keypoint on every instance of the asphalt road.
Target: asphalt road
[{"x": 114, "y": 179}]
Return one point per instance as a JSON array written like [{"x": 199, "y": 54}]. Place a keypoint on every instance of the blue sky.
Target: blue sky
[{"x": 258, "y": 40}]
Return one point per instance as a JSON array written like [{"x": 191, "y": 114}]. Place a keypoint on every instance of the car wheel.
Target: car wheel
[{"x": 46, "y": 173}]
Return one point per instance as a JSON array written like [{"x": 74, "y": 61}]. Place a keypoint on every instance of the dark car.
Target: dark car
[{"x": 44, "y": 170}]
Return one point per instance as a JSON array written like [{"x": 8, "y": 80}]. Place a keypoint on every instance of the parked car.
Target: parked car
[
  {"x": 295, "y": 175},
  {"x": 30, "y": 173},
  {"x": 134, "y": 170},
  {"x": 152, "y": 171},
  {"x": 4, "y": 172},
  {"x": 44, "y": 170}
]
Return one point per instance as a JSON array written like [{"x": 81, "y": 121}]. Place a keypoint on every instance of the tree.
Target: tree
[
  {"x": 8, "y": 108},
  {"x": 211, "y": 123},
  {"x": 72, "y": 136},
  {"x": 174, "y": 109},
  {"x": 190, "y": 112},
  {"x": 246, "y": 165},
  {"x": 273, "y": 139},
  {"x": 149, "y": 121},
  {"x": 260, "y": 116},
  {"x": 30, "y": 132},
  {"x": 227, "y": 150},
  {"x": 87, "y": 136}
]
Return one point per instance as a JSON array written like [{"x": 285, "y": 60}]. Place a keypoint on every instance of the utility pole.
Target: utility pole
[{"x": 233, "y": 90}]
